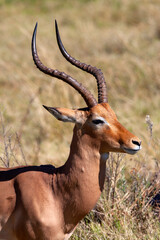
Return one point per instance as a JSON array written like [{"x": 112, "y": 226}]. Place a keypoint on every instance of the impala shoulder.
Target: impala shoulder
[{"x": 35, "y": 176}]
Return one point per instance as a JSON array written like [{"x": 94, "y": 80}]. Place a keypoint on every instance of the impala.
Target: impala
[{"x": 46, "y": 203}]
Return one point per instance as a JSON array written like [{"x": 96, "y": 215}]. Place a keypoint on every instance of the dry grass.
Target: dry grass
[
  {"x": 122, "y": 37},
  {"x": 124, "y": 210}
]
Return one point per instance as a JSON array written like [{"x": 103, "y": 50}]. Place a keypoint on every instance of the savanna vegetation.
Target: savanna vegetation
[{"x": 122, "y": 37}]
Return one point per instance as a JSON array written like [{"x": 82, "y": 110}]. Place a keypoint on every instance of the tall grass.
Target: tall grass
[
  {"x": 97, "y": 32},
  {"x": 128, "y": 207},
  {"x": 122, "y": 37}
]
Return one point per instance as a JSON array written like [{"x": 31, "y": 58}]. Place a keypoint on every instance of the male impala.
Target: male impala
[{"x": 46, "y": 203}]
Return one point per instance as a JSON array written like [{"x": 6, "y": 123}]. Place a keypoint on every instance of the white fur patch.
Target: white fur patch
[
  {"x": 104, "y": 122},
  {"x": 67, "y": 236},
  {"x": 102, "y": 119}
]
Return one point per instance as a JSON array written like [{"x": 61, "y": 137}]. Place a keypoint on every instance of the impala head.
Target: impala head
[{"x": 98, "y": 120}]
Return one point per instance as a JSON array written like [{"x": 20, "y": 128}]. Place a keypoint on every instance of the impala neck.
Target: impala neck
[
  {"x": 85, "y": 160},
  {"x": 81, "y": 178}
]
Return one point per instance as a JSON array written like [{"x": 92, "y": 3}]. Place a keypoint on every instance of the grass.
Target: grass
[
  {"x": 122, "y": 37},
  {"x": 124, "y": 210}
]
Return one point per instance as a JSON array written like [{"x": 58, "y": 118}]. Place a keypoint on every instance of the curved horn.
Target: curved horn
[
  {"x": 87, "y": 96},
  {"x": 97, "y": 73}
]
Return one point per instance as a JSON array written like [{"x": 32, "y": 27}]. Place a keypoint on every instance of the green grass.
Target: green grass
[{"x": 122, "y": 37}]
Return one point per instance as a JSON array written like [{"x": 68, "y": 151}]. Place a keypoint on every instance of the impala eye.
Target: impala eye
[{"x": 97, "y": 121}]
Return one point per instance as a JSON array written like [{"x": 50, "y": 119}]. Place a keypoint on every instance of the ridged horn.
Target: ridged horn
[
  {"x": 97, "y": 73},
  {"x": 87, "y": 96}
]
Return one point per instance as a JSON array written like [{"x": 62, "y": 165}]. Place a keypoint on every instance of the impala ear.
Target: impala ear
[{"x": 67, "y": 115}]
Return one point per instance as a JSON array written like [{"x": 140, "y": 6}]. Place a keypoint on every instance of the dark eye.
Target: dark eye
[{"x": 97, "y": 121}]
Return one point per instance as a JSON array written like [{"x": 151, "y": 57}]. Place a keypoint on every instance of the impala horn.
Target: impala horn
[
  {"x": 87, "y": 96},
  {"x": 97, "y": 73}
]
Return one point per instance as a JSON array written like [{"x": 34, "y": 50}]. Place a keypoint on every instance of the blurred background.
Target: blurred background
[{"x": 122, "y": 37}]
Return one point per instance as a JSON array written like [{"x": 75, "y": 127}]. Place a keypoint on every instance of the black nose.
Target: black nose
[{"x": 136, "y": 143}]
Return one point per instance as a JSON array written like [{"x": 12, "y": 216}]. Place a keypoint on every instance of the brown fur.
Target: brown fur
[{"x": 43, "y": 202}]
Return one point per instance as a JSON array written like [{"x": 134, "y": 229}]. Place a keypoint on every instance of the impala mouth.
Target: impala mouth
[{"x": 132, "y": 151}]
